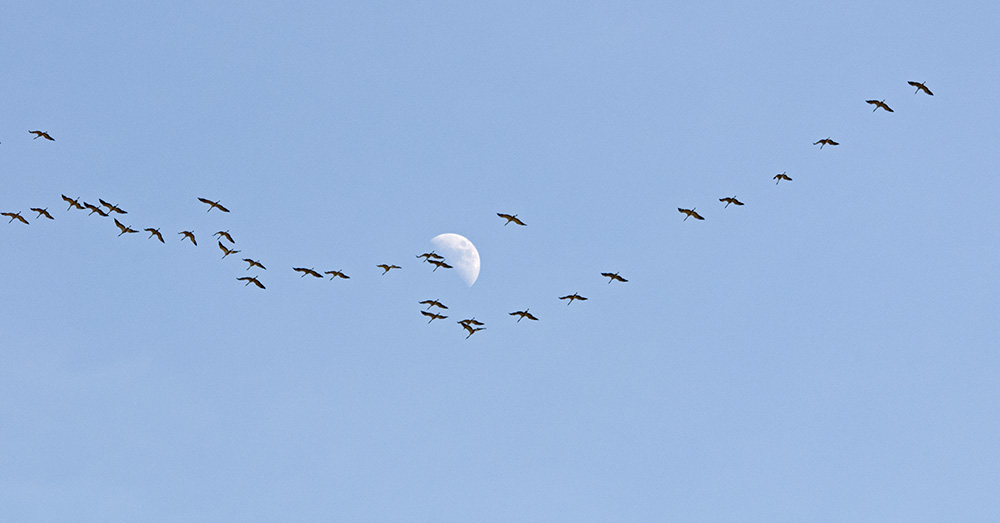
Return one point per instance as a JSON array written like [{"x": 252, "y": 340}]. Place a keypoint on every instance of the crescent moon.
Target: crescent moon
[{"x": 460, "y": 253}]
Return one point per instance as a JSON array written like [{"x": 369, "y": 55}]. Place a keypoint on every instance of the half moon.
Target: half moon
[{"x": 460, "y": 253}]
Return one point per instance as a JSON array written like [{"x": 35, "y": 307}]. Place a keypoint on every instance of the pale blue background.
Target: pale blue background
[{"x": 827, "y": 352}]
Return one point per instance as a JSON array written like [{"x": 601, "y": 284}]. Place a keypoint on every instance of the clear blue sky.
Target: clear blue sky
[{"x": 827, "y": 352}]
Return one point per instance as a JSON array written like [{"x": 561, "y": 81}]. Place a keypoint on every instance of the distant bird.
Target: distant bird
[
  {"x": 226, "y": 250},
  {"x": 253, "y": 263},
  {"x": 613, "y": 277},
  {"x": 43, "y": 212},
  {"x": 94, "y": 208},
  {"x": 251, "y": 279},
  {"x": 471, "y": 329},
  {"x": 433, "y": 316},
  {"x": 72, "y": 202},
  {"x": 827, "y": 141},
  {"x": 433, "y": 303},
  {"x": 572, "y": 297},
  {"x": 111, "y": 208},
  {"x": 337, "y": 274},
  {"x": 213, "y": 205},
  {"x": 781, "y": 176},
  {"x": 123, "y": 228},
  {"x": 41, "y": 134},
  {"x": 510, "y": 218},
  {"x": 305, "y": 271},
  {"x": 472, "y": 321},
  {"x": 155, "y": 232},
  {"x": 439, "y": 265},
  {"x": 189, "y": 235},
  {"x": 690, "y": 214},
  {"x": 386, "y": 268},
  {"x": 879, "y": 103},
  {"x": 224, "y": 234},
  {"x": 523, "y": 314},
  {"x": 15, "y": 216},
  {"x": 919, "y": 85},
  {"x": 730, "y": 200},
  {"x": 428, "y": 255}
]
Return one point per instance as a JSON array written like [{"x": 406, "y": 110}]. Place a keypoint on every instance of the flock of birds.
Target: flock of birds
[{"x": 470, "y": 325}]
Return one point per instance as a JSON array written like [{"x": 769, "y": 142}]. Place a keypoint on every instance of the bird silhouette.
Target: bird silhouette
[
  {"x": 15, "y": 216},
  {"x": 572, "y": 297},
  {"x": 877, "y": 104},
  {"x": 337, "y": 274},
  {"x": 472, "y": 330},
  {"x": 213, "y": 205},
  {"x": 155, "y": 232},
  {"x": 41, "y": 134},
  {"x": 433, "y": 316},
  {"x": 613, "y": 277},
  {"x": 510, "y": 218},
  {"x": 690, "y": 214},
  {"x": 433, "y": 303},
  {"x": 428, "y": 255},
  {"x": 251, "y": 279},
  {"x": 439, "y": 265},
  {"x": 224, "y": 234},
  {"x": 781, "y": 176},
  {"x": 253, "y": 263},
  {"x": 43, "y": 212},
  {"x": 226, "y": 250},
  {"x": 189, "y": 235},
  {"x": 827, "y": 141},
  {"x": 471, "y": 321},
  {"x": 123, "y": 228},
  {"x": 111, "y": 208},
  {"x": 730, "y": 200},
  {"x": 920, "y": 87},
  {"x": 72, "y": 202},
  {"x": 94, "y": 208},
  {"x": 386, "y": 268},
  {"x": 523, "y": 314},
  {"x": 305, "y": 271}
]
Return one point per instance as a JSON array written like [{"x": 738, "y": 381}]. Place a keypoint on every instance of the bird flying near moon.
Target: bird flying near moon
[{"x": 460, "y": 253}]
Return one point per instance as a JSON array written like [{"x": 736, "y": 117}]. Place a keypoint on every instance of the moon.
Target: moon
[{"x": 460, "y": 253}]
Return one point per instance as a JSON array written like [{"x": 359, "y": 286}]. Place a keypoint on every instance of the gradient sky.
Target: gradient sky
[{"x": 827, "y": 352}]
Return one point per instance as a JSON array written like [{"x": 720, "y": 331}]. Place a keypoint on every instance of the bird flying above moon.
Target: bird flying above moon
[{"x": 461, "y": 253}]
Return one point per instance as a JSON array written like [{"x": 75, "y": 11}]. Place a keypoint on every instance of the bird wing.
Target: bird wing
[
  {"x": 430, "y": 314},
  {"x": 258, "y": 283},
  {"x": 517, "y": 220},
  {"x": 530, "y": 316},
  {"x": 203, "y": 200},
  {"x": 695, "y": 216},
  {"x": 873, "y": 102},
  {"x": 221, "y": 208},
  {"x": 737, "y": 202},
  {"x": 566, "y": 297},
  {"x": 104, "y": 203},
  {"x": 831, "y": 142},
  {"x": 581, "y": 298},
  {"x": 119, "y": 224},
  {"x": 223, "y": 247},
  {"x": 608, "y": 275},
  {"x": 505, "y": 216}
]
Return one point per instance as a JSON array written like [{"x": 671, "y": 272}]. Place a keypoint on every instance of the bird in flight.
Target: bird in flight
[
  {"x": 781, "y": 176},
  {"x": 93, "y": 208},
  {"x": 433, "y": 316},
  {"x": 919, "y": 85},
  {"x": 471, "y": 321},
  {"x": 224, "y": 234},
  {"x": 305, "y": 271},
  {"x": 428, "y": 255},
  {"x": 251, "y": 279},
  {"x": 213, "y": 205},
  {"x": 510, "y": 218},
  {"x": 155, "y": 232},
  {"x": 111, "y": 208},
  {"x": 433, "y": 303},
  {"x": 226, "y": 250},
  {"x": 572, "y": 297},
  {"x": 43, "y": 212},
  {"x": 123, "y": 228},
  {"x": 72, "y": 202},
  {"x": 253, "y": 263},
  {"x": 877, "y": 104},
  {"x": 14, "y": 216},
  {"x": 613, "y": 277},
  {"x": 472, "y": 330},
  {"x": 690, "y": 214},
  {"x": 189, "y": 235},
  {"x": 41, "y": 134},
  {"x": 827, "y": 141},
  {"x": 337, "y": 274},
  {"x": 439, "y": 265},
  {"x": 730, "y": 200},
  {"x": 523, "y": 314},
  {"x": 386, "y": 268}
]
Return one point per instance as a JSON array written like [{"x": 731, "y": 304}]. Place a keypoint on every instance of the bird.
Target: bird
[
  {"x": 189, "y": 235},
  {"x": 43, "y": 212},
  {"x": 433, "y": 316},
  {"x": 251, "y": 279},
  {"x": 155, "y": 232},
  {"x": 471, "y": 329},
  {"x": 224, "y": 234},
  {"x": 523, "y": 314},
  {"x": 94, "y": 208},
  {"x": 15, "y": 216},
  {"x": 439, "y": 265},
  {"x": 827, "y": 141},
  {"x": 471, "y": 321},
  {"x": 72, "y": 202},
  {"x": 730, "y": 200},
  {"x": 572, "y": 297},
  {"x": 253, "y": 263},
  {"x": 306, "y": 271},
  {"x": 779, "y": 177},
  {"x": 226, "y": 250},
  {"x": 919, "y": 85},
  {"x": 212, "y": 205},
  {"x": 613, "y": 277},
  {"x": 510, "y": 218},
  {"x": 337, "y": 274},
  {"x": 111, "y": 208},
  {"x": 879, "y": 103},
  {"x": 433, "y": 303},
  {"x": 123, "y": 228},
  {"x": 428, "y": 255},
  {"x": 41, "y": 134},
  {"x": 386, "y": 268},
  {"x": 690, "y": 214}
]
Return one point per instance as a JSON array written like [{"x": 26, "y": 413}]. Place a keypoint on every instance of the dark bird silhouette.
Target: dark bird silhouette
[
  {"x": 305, "y": 271},
  {"x": 43, "y": 212},
  {"x": 779, "y": 177},
  {"x": 93, "y": 208},
  {"x": 523, "y": 314},
  {"x": 471, "y": 329},
  {"x": 690, "y": 214},
  {"x": 730, "y": 200},
  {"x": 15, "y": 216},
  {"x": 251, "y": 279},
  {"x": 42, "y": 134},
  {"x": 433, "y": 316},
  {"x": 72, "y": 202},
  {"x": 189, "y": 235},
  {"x": 428, "y": 255},
  {"x": 877, "y": 104},
  {"x": 572, "y": 297},
  {"x": 337, "y": 274},
  {"x": 224, "y": 234},
  {"x": 111, "y": 208},
  {"x": 827, "y": 141},
  {"x": 213, "y": 205},
  {"x": 226, "y": 250},
  {"x": 439, "y": 265},
  {"x": 386, "y": 268},
  {"x": 123, "y": 228},
  {"x": 433, "y": 303},
  {"x": 253, "y": 263},
  {"x": 471, "y": 321},
  {"x": 613, "y": 277},
  {"x": 920, "y": 87},
  {"x": 155, "y": 232},
  {"x": 510, "y": 218}
]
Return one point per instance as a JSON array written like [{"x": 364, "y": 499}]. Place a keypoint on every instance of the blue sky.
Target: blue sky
[{"x": 826, "y": 352}]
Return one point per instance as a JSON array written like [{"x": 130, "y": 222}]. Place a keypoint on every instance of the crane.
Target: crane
[
  {"x": 123, "y": 228},
  {"x": 111, "y": 208},
  {"x": 155, "y": 232},
  {"x": 877, "y": 104},
  {"x": 827, "y": 141},
  {"x": 386, "y": 267},
  {"x": 613, "y": 277},
  {"x": 253, "y": 263},
  {"x": 15, "y": 216},
  {"x": 337, "y": 274},
  {"x": 94, "y": 208},
  {"x": 43, "y": 212},
  {"x": 471, "y": 329},
  {"x": 690, "y": 214},
  {"x": 730, "y": 200},
  {"x": 224, "y": 234},
  {"x": 510, "y": 218},
  {"x": 428, "y": 255},
  {"x": 439, "y": 265},
  {"x": 213, "y": 205},
  {"x": 72, "y": 202},
  {"x": 920, "y": 87},
  {"x": 226, "y": 250},
  {"x": 42, "y": 134},
  {"x": 523, "y": 314},
  {"x": 305, "y": 271},
  {"x": 779, "y": 177},
  {"x": 189, "y": 235},
  {"x": 433, "y": 303},
  {"x": 472, "y": 321},
  {"x": 572, "y": 297},
  {"x": 433, "y": 316},
  {"x": 251, "y": 279}
]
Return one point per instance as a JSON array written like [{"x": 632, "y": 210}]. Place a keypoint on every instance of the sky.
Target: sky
[{"x": 826, "y": 352}]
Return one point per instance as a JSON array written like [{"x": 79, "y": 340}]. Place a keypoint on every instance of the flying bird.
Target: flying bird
[
  {"x": 730, "y": 200},
  {"x": 433, "y": 303},
  {"x": 226, "y": 250},
  {"x": 111, "y": 208},
  {"x": 189, "y": 235},
  {"x": 472, "y": 321},
  {"x": 14, "y": 216},
  {"x": 690, "y": 214},
  {"x": 72, "y": 202},
  {"x": 572, "y": 297},
  {"x": 213, "y": 205},
  {"x": 386, "y": 268},
  {"x": 779, "y": 177},
  {"x": 41, "y": 134},
  {"x": 879, "y": 103},
  {"x": 251, "y": 279},
  {"x": 224, "y": 234},
  {"x": 433, "y": 316},
  {"x": 337, "y": 274},
  {"x": 510, "y": 218},
  {"x": 155, "y": 232},
  {"x": 827, "y": 141},
  {"x": 253, "y": 263},
  {"x": 43, "y": 212},
  {"x": 306, "y": 271},
  {"x": 439, "y": 265},
  {"x": 93, "y": 208},
  {"x": 523, "y": 314},
  {"x": 919, "y": 85},
  {"x": 613, "y": 277},
  {"x": 428, "y": 255},
  {"x": 471, "y": 329},
  {"x": 123, "y": 228}
]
